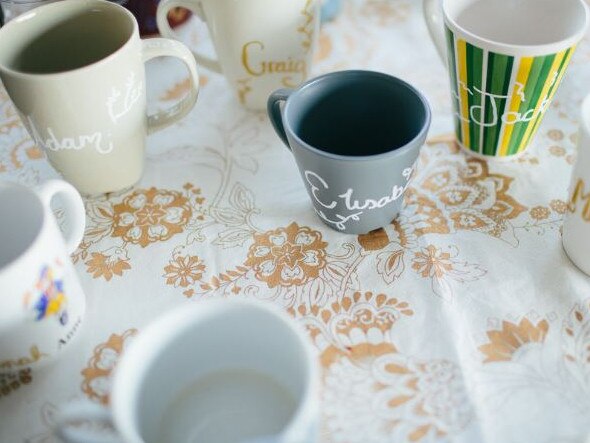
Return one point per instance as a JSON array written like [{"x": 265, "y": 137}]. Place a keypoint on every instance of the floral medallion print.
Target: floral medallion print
[
  {"x": 96, "y": 374},
  {"x": 287, "y": 256},
  {"x": 151, "y": 215},
  {"x": 184, "y": 271}
]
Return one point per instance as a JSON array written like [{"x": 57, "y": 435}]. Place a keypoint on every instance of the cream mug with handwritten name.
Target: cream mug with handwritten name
[
  {"x": 261, "y": 45},
  {"x": 576, "y": 226},
  {"x": 42, "y": 303},
  {"x": 75, "y": 72}
]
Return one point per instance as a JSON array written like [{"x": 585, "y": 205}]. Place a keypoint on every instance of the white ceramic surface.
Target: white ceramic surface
[
  {"x": 42, "y": 302},
  {"x": 198, "y": 341},
  {"x": 261, "y": 45}
]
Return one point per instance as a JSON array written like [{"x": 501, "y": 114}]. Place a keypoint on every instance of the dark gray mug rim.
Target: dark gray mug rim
[{"x": 364, "y": 73}]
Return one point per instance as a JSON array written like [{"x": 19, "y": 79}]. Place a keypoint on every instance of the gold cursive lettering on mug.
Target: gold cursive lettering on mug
[
  {"x": 578, "y": 195},
  {"x": 289, "y": 66}
]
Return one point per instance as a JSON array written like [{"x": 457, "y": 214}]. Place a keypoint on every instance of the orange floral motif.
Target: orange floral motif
[
  {"x": 108, "y": 263},
  {"x": 98, "y": 370},
  {"x": 150, "y": 215},
  {"x": 540, "y": 213},
  {"x": 557, "y": 151},
  {"x": 184, "y": 271},
  {"x": 289, "y": 256},
  {"x": 11, "y": 381},
  {"x": 559, "y": 206},
  {"x": 432, "y": 262},
  {"x": 506, "y": 342}
]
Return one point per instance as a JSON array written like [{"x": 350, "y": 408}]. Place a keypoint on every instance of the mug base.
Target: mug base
[{"x": 501, "y": 159}]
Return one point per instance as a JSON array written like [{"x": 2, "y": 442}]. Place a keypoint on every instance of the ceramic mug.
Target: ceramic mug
[
  {"x": 218, "y": 370},
  {"x": 506, "y": 59},
  {"x": 42, "y": 302},
  {"x": 261, "y": 45},
  {"x": 75, "y": 72},
  {"x": 355, "y": 136},
  {"x": 576, "y": 225}
]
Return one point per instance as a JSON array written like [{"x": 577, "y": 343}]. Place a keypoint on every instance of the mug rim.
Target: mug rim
[
  {"x": 30, "y": 15},
  {"x": 514, "y": 49},
  {"x": 358, "y": 72},
  {"x": 22, "y": 255},
  {"x": 150, "y": 342}
]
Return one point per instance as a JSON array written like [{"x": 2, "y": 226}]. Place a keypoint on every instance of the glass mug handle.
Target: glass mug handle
[
  {"x": 74, "y": 207},
  {"x": 196, "y": 8},
  {"x": 435, "y": 23},
  {"x": 275, "y": 112},
  {"x": 162, "y": 47}
]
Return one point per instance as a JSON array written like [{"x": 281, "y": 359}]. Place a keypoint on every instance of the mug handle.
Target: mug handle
[
  {"x": 196, "y": 8},
  {"x": 435, "y": 23},
  {"x": 273, "y": 107},
  {"x": 162, "y": 47},
  {"x": 74, "y": 209},
  {"x": 77, "y": 411}
]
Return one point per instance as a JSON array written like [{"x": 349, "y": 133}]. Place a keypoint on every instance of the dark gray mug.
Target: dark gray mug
[{"x": 356, "y": 136}]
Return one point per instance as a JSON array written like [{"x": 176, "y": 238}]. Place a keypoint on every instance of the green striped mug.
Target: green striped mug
[{"x": 506, "y": 59}]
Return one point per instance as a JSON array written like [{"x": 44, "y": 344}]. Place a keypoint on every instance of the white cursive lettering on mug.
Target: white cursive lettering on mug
[
  {"x": 316, "y": 184},
  {"x": 132, "y": 94},
  {"x": 75, "y": 143}
]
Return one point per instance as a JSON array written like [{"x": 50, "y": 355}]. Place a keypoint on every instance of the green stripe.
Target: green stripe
[
  {"x": 498, "y": 82},
  {"x": 474, "y": 79},
  {"x": 454, "y": 86},
  {"x": 538, "y": 120},
  {"x": 534, "y": 87}
]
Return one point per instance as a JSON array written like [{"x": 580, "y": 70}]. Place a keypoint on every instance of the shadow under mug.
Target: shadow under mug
[
  {"x": 153, "y": 399},
  {"x": 355, "y": 136}
]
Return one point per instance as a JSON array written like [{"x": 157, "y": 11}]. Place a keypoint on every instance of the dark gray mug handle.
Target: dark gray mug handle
[{"x": 274, "y": 112}]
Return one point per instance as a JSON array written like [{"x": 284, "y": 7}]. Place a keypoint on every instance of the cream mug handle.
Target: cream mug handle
[
  {"x": 196, "y": 8},
  {"x": 74, "y": 208},
  {"x": 162, "y": 47},
  {"x": 79, "y": 411},
  {"x": 434, "y": 21}
]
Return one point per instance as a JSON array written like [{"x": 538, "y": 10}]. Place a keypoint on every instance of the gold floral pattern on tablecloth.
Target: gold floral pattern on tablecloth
[
  {"x": 11, "y": 381},
  {"x": 512, "y": 338},
  {"x": 287, "y": 256},
  {"x": 150, "y": 215},
  {"x": 96, "y": 374}
]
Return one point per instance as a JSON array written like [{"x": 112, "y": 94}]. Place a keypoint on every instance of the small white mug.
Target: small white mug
[
  {"x": 218, "y": 370},
  {"x": 42, "y": 302},
  {"x": 576, "y": 226}
]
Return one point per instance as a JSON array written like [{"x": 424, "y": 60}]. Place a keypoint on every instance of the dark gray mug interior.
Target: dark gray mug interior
[{"x": 357, "y": 113}]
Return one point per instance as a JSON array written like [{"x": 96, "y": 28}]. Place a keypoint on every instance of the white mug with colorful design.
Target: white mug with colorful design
[
  {"x": 217, "y": 371},
  {"x": 42, "y": 302},
  {"x": 576, "y": 225},
  {"x": 506, "y": 59},
  {"x": 261, "y": 45}
]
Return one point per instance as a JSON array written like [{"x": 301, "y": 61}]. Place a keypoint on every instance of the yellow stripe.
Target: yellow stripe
[
  {"x": 462, "y": 60},
  {"x": 539, "y": 118},
  {"x": 521, "y": 77},
  {"x": 548, "y": 83}
]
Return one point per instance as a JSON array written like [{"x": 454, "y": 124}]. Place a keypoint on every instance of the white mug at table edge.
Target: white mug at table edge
[
  {"x": 576, "y": 225},
  {"x": 191, "y": 343},
  {"x": 42, "y": 301}
]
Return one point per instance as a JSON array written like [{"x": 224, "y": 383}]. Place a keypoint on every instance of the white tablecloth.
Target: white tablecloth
[{"x": 462, "y": 321}]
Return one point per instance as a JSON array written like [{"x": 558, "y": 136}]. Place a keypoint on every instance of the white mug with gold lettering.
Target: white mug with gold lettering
[
  {"x": 261, "y": 45},
  {"x": 42, "y": 303},
  {"x": 576, "y": 226}
]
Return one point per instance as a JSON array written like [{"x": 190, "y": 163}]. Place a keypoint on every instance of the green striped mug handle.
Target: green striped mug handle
[{"x": 435, "y": 23}]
